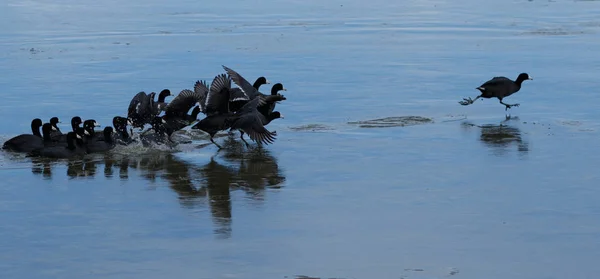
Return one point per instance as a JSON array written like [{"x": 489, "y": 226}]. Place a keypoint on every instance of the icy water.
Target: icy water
[{"x": 377, "y": 171}]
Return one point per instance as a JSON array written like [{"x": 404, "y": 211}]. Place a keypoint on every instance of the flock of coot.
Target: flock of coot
[{"x": 245, "y": 109}]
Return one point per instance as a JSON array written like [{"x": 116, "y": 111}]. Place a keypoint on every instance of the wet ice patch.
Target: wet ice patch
[
  {"x": 394, "y": 121},
  {"x": 311, "y": 128},
  {"x": 577, "y": 125},
  {"x": 554, "y": 32}
]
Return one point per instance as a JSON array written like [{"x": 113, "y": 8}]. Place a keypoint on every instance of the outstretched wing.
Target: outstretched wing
[
  {"x": 237, "y": 94},
  {"x": 251, "y": 124},
  {"x": 183, "y": 102},
  {"x": 217, "y": 100},
  {"x": 201, "y": 88},
  {"x": 240, "y": 81},
  {"x": 136, "y": 103},
  {"x": 249, "y": 107}
]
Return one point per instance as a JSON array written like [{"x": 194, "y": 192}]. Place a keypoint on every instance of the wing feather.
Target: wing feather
[
  {"x": 201, "y": 88},
  {"x": 240, "y": 81},
  {"x": 217, "y": 100},
  {"x": 183, "y": 102}
]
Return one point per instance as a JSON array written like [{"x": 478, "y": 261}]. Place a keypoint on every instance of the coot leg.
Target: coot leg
[
  {"x": 508, "y": 105},
  {"x": 211, "y": 139},
  {"x": 468, "y": 101},
  {"x": 242, "y": 137}
]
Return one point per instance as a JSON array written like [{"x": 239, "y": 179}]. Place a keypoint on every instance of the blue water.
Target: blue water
[{"x": 469, "y": 194}]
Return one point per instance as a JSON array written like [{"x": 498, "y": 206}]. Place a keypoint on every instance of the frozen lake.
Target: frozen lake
[{"x": 430, "y": 189}]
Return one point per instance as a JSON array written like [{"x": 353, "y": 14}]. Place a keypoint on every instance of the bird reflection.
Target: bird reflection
[
  {"x": 217, "y": 179},
  {"x": 81, "y": 168},
  {"x": 235, "y": 167},
  {"x": 42, "y": 167},
  {"x": 500, "y": 137}
]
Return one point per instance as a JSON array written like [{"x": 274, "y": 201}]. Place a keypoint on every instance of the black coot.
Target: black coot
[
  {"x": 238, "y": 98},
  {"x": 26, "y": 142},
  {"x": 176, "y": 112},
  {"x": 55, "y": 130},
  {"x": 121, "y": 134},
  {"x": 142, "y": 108},
  {"x": 498, "y": 87},
  {"x": 101, "y": 144},
  {"x": 250, "y": 121},
  {"x": 75, "y": 123},
  {"x": 71, "y": 149},
  {"x": 88, "y": 127},
  {"x": 268, "y": 108},
  {"x": 216, "y": 107}
]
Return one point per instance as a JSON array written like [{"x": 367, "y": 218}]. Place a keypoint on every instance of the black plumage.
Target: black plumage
[
  {"x": 26, "y": 142},
  {"x": 61, "y": 151},
  {"x": 216, "y": 107},
  {"x": 250, "y": 121},
  {"x": 142, "y": 108},
  {"x": 238, "y": 98},
  {"x": 176, "y": 113},
  {"x": 499, "y": 87},
  {"x": 268, "y": 108},
  {"x": 88, "y": 127},
  {"x": 249, "y": 92},
  {"x": 120, "y": 126},
  {"x": 101, "y": 144},
  {"x": 75, "y": 122},
  {"x": 138, "y": 111},
  {"x": 55, "y": 129},
  {"x": 160, "y": 104}
]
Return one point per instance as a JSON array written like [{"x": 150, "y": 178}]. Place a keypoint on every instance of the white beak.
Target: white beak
[
  {"x": 78, "y": 136},
  {"x": 96, "y": 124},
  {"x": 280, "y": 115},
  {"x": 85, "y": 132},
  {"x": 53, "y": 128}
]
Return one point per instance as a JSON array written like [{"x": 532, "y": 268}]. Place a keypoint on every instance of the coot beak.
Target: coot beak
[
  {"x": 281, "y": 115},
  {"x": 96, "y": 124},
  {"x": 284, "y": 89},
  {"x": 530, "y": 78},
  {"x": 78, "y": 136},
  {"x": 85, "y": 132},
  {"x": 54, "y": 128},
  {"x": 268, "y": 82}
]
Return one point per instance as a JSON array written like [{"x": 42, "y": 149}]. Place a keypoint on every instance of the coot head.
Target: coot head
[
  {"x": 195, "y": 112},
  {"x": 89, "y": 125},
  {"x": 276, "y": 115},
  {"x": 163, "y": 94},
  {"x": 54, "y": 122},
  {"x": 276, "y": 88},
  {"x": 75, "y": 122},
  {"x": 260, "y": 81},
  {"x": 47, "y": 128},
  {"x": 35, "y": 126},
  {"x": 121, "y": 122},
  {"x": 522, "y": 77},
  {"x": 108, "y": 131}
]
